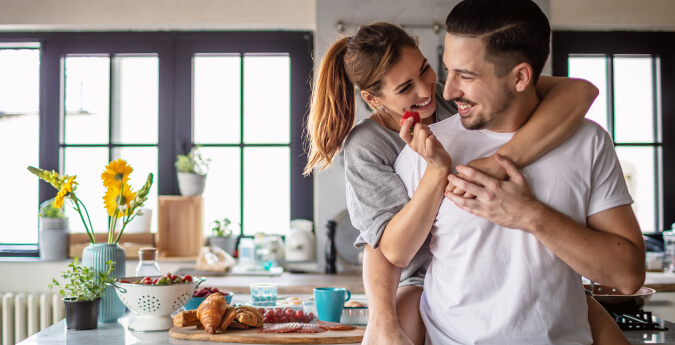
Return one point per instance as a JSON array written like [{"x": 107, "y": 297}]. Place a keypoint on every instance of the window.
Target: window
[
  {"x": 19, "y": 130},
  {"x": 97, "y": 129},
  {"x": 634, "y": 73},
  {"x": 248, "y": 139},
  {"x": 146, "y": 97}
]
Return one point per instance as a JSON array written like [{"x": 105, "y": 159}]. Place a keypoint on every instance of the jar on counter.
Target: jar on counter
[
  {"x": 147, "y": 262},
  {"x": 246, "y": 252}
]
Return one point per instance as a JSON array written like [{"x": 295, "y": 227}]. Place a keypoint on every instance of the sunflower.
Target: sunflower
[
  {"x": 113, "y": 200},
  {"x": 64, "y": 192},
  {"x": 115, "y": 172}
]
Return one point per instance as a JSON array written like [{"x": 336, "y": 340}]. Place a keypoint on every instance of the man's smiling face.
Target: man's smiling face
[{"x": 472, "y": 83}]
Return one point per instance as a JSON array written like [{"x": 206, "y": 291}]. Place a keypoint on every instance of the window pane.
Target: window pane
[
  {"x": 638, "y": 168},
  {"x": 222, "y": 193},
  {"x": 144, "y": 161},
  {"x": 87, "y": 94},
  {"x": 217, "y": 99},
  {"x": 267, "y": 190},
  {"x": 137, "y": 89},
  {"x": 19, "y": 78},
  {"x": 593, "y": 69},
  {"x": 633, "y": 100},
  {"x": 19, "y": 140},
  {"x": 87, "y": 164},
  {"x": 267, "y": 98}
]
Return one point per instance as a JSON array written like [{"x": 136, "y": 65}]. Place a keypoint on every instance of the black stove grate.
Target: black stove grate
[{"x": 641, "y": 320}]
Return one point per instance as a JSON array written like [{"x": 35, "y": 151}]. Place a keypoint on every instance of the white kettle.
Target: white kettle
[{"x": 300, "y": 241}]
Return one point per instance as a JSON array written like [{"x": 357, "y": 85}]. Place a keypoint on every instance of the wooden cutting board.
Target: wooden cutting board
[{"x": 251, "y": 336}]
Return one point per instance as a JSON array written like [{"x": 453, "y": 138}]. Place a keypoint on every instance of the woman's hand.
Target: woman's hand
[
  {"x": 505, "y": 203},
  {"x": 487, "y": 165},
  {"x": 425, "y": 143}
]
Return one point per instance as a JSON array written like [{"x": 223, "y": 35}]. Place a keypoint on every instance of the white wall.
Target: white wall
[
  {"x": 613, "y": 14},
  {"x": 156, "y": 14}
]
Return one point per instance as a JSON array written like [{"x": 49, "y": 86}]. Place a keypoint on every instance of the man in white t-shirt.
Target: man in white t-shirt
[{"x": 506, "y": 264}]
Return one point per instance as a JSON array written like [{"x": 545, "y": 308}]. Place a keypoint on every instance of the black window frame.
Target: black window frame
[
  {"x": 656, "y": 44},
  {"x": 174, "y": 50}
]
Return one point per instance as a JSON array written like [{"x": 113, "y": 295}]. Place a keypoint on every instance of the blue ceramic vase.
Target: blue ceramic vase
[{"x": 96, "y": 255}]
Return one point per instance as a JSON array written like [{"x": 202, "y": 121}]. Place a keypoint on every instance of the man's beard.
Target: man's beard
[{"x": 481, "y": 120}]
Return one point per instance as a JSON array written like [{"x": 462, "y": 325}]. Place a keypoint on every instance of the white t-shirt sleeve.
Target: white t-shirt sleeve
[
  {"x": 410, "y": 167},
  {"x": 608, "y": 185}
]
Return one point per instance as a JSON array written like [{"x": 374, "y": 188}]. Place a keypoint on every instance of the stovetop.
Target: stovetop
[
  {"x": 664, "y": 336},
  {"x": 642, "y": 320}
]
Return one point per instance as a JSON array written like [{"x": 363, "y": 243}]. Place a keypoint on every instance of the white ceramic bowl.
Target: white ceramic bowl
[
  {"x": 355, "y": 315},
  {"x": 154, "y": 304}
]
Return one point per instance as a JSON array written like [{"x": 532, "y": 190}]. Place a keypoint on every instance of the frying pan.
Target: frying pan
[{"x": 616, "y": 302}]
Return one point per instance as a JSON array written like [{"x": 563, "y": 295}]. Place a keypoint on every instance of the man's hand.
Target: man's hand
[
  {"x": 487, "y": 165},
  {"x": 502, "y": 202},
  {"x": 425, "y": 143}
]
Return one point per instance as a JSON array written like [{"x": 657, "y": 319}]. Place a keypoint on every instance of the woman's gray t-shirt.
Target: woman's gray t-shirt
[{"x": 375, "y": 194}]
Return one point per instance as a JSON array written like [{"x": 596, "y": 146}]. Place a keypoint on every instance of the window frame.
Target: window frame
[
  {"x": 626, "y": 43},
  {"x": 173, "y": 49}
]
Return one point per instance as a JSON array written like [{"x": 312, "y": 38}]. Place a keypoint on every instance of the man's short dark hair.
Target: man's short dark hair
[{"x": 514, "y": 31}]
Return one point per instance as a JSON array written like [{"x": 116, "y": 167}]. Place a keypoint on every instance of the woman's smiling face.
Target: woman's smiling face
[{"x": 410, "y": 84}]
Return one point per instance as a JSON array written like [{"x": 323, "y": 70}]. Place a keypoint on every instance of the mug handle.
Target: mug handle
[{"x": 349, "y": 295}]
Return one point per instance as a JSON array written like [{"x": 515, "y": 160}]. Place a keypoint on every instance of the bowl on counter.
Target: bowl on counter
[
  {"x": 154, "y": 304},
  {"x": 194, "y": 302},
  {"x": 355, "y": 313},
  {"x": 616, "y": 302}
]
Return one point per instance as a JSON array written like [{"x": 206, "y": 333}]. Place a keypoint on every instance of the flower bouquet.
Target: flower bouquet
[{"x": 121, "y": 202}]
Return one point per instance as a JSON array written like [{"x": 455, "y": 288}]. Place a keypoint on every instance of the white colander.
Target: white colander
[{"x": 154, "y": 304}]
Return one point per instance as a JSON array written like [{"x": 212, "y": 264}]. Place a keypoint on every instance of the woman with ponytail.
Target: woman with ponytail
[{"x": 384, "y": 64}]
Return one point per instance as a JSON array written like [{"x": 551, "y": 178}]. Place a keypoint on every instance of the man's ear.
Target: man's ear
[
  {"x": 522, "y": 74},
  {"x": 372, "y": 100}
]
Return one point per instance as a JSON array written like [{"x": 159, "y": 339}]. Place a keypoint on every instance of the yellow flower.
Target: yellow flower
[
  {"x": 115, "y": 172},
  {"x": 113, "y": 200},
  {"x": 66, "y": 189}
]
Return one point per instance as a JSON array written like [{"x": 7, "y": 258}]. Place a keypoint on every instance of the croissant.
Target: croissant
[{"x": 210, "y": 312}]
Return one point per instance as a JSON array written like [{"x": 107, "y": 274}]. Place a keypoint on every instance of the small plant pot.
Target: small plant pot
[
  {"x": 81, "y": 315},
  {"x": 191, "y": 184},
  {"x": 228, "y": 244}
]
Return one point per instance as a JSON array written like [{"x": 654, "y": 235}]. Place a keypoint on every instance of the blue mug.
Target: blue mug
[{"x": 330, "y": 301}]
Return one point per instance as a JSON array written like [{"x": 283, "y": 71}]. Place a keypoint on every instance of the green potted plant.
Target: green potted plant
[
  {"x": 222, "y": 236},
  {"x": 192, "y": 169},
  {"x": 82, "y": 293},
  {"x": 53, "y": 232}
]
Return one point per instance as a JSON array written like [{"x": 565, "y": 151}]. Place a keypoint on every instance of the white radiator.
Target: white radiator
[{"x": 24, "y": 314}]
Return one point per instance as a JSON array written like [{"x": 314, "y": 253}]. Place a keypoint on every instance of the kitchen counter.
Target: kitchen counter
[{"x": 117, "y": 333}]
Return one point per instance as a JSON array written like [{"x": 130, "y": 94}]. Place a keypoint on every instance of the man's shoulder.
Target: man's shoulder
[{"x": 590, "y": 132}]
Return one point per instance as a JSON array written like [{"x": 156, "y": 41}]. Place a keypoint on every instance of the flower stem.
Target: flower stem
[
  {"x": 113, "y": 224},
  {"x": 77, "y": 208},
  {"x": 91, "y": 227}
]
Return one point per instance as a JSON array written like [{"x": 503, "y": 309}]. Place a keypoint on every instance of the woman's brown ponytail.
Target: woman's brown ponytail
[{"x": 333, "y": 109}]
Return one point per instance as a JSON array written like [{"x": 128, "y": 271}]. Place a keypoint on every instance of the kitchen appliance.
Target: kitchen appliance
[
  {"x": 269, "y": 251},
  {"x": 300, "y": 241},
  {"x": 340, "y": 242}
]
